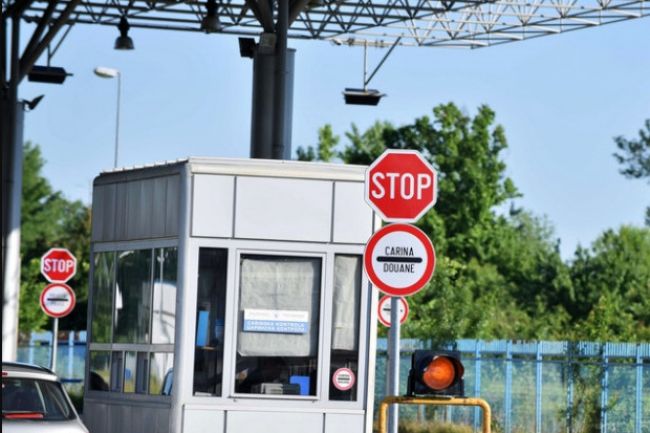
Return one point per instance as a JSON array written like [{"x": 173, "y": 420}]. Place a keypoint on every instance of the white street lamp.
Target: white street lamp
[{"x": 104, "y": 72}]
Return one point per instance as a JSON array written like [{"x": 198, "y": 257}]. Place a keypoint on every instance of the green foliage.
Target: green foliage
[
  {"x": 635, "y": 158},
  {"x": 432, "y": 427},
  {"x": 49, "y": 220},
  {"x": 612, "y": 286},
  {"x": 501, "y": 275}
]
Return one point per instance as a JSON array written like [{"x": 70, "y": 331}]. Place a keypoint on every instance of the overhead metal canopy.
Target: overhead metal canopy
[{"x": 437, "y": 23}]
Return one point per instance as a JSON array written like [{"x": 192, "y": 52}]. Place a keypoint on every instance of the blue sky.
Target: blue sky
[{"x": 560, "y": 98}]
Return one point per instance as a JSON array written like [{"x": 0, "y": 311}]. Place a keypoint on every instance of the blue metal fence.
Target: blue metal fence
[
  {"x": 545, "y": 386},
  {"x": 540, "y": 387}
]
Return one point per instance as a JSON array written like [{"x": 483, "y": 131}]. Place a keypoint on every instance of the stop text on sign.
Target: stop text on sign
[
  {"x": 58, "y": 265},
  {"x": 401, "y": 185}
]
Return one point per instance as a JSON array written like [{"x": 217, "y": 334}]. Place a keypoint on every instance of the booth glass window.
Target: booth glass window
[
  {"x": 164, "y": 295},
  {"x": 210, "y": 319},
  {"x": 133, "y": 305},
  {"x": 279, "y": 316},
  {"x": 344, "y": 357},
  {"x": 161, "y": 373},
  {"x": 100, "y": 370},
  {"x": 102, "y": 296},
  {"x": 133, "y": 297}
]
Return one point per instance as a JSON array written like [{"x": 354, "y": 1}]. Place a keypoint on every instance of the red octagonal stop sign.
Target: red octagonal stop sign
[
  {"x": 58, "y": 265},
  {"x": 401, "y": 185}
]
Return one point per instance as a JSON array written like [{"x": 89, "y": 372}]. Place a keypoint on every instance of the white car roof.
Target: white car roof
[{"x": 16, "y": 369}]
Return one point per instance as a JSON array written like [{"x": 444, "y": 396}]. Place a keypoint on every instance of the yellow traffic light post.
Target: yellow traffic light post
[
  {"x": 435, "y": 379},
  {"x": 434, "y": 401}
]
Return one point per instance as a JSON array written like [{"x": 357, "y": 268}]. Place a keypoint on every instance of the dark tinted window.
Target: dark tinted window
[{"x": 34, "y": 399}]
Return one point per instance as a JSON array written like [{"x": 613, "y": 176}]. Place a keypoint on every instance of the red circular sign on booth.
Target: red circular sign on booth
[
  {"x": 343, "y": 379},
  {"x": 401, "y": 185}
]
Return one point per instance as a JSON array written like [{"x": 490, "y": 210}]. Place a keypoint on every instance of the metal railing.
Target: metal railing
[
  {"x": 545, "y": 386},
  {"x": 540, "y": 387}
]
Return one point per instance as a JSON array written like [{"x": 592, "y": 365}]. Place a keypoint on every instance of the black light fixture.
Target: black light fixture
[
  {"x": 30, "y": 105},
  {"x": 123, "y": 41},
  {"x": 362, "y": 96},
  {"x": 210, "y": 22},
  {"x": 47, "y": 74},
  {"x": 247, "y": 47}
]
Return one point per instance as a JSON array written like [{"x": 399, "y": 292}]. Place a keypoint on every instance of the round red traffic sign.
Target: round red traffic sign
[
  {"x": 401, "y": 185},
  {"x": 58, "y": 265},
  {"x": 343, "y": 379},
  {"x": 384, "y": 307},
  {"x": 57, "y": 300},
  {"x": 399, "y": 259}
]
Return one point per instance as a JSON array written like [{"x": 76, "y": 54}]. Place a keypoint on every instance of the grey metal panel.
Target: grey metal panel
[
  {"x": 196, "y": 420},
  {"x": 172, "y": 206},
  {"x": 133, "y": 216},
  {"x": 121, "y": 212},
  {"x": 95, "y": 417},
  {"x": 286, "y": 209},
  {"x": 339, "y": 423},
  {"x": 159, "y": 207},
  {"x": 98, "y": 213},
  {"x": 352, "y": 215},
  {"x": 286, "y": 422},
  {"x": 109, "y": 209},
  {"x": 212, "y": 205}
]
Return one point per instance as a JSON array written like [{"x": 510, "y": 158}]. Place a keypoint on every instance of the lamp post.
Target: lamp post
[{"x": 104, "y": 72}]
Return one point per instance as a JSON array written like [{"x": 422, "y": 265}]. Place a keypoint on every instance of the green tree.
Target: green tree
[
  {"x": 49, "y": 220},
  {"x": 634, "y": 156},
  {"x": 325, "y": 149},
  {"x": 611, "y": 281}
]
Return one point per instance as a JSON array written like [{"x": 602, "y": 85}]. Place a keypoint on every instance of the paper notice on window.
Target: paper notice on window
[{"x": 276, "y": 321}]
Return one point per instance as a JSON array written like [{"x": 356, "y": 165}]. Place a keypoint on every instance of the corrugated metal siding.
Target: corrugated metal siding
[{"x": 137, "y": 209}]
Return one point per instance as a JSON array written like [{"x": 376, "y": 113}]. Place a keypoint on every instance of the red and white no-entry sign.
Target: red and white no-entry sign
[
  {"x": 399, "y": 259},
  {"x": 58, "y": 265},
  {"x": 401, "y": 185},
  {"x": 343, "y": 379},
  {"x": 383, "y": 310},
  {"x": 57, "y": 300}
]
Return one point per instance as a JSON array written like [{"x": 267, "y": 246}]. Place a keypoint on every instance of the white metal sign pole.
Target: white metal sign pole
[
  {"x": 394, "y": 361},
  {"x": 55, "y": 343}
]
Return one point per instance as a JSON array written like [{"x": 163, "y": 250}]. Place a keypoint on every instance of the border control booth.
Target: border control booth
[{"x": 228, "y": 296}]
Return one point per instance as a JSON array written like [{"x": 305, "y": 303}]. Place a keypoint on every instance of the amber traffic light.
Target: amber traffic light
[{"x": 436, "y": 373}]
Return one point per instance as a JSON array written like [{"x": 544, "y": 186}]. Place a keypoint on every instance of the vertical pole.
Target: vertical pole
[
  {"x": 365, "y": 65},
  {"x": 569, "y": 390},
  {"x": 394, "y": 360},
  {"x": 477, "y": 382},
  {"x": 508, "y": 392},
  {"x": 117, "y": 118},
  {"x": 638, "y": 413},
  {"x": 282, "y": 27},
  {"x": 12, "y": 167},
  {"x": 70, "y": 370},
  {"x": 55, "y": 341},
  {"x": 538, "y": 389},
  {"x": 604, "y": 390}
]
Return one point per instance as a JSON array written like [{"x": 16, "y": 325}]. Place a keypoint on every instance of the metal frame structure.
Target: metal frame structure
[{"x": 447, "y": 23}]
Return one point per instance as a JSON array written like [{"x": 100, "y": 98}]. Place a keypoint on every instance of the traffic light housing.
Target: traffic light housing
[{"x": 436, "y": 373}]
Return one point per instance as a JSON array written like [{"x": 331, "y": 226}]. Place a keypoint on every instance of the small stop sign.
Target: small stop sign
[
  {"x": 58, "y": 265},
  {"x": 401, "y": 185}
]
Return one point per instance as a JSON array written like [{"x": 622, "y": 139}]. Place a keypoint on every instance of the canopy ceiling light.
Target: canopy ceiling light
[
  {"x": 362, "y": 96},
  {"x": 210, "y": 22},
  {"x": 47, "y": 74},
  {"x": 123, "y": 41}
]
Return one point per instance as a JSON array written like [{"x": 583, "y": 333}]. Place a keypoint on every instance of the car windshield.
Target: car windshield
[{"x": 34, "y": 399}]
